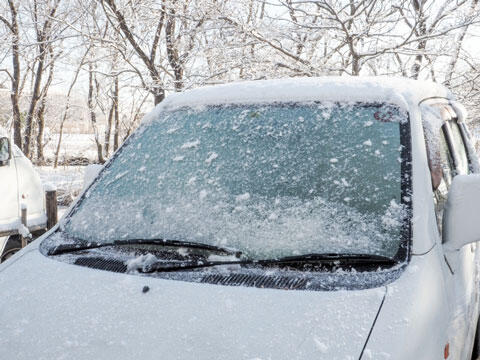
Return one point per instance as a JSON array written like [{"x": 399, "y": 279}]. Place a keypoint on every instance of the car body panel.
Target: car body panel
[
  {"x": 88, "y": 313},
  {"x": 30, "y": 190},
  {"x": 3, "y": 243},
  {"x": 21, "y": 186},
  {"x": 419, "y": 303},
  {"x": 415, "y": 305},
  {"x": 9, "y": 210}
]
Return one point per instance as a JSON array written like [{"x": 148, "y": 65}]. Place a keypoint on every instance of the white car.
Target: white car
[
  {"x": 322, "y": 218},
  {"x": 20, "y": 186}
]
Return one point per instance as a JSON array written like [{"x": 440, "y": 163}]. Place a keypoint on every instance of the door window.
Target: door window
[
  {"x": 442, "y": 160},
  {"x": 462, "y": 163}
]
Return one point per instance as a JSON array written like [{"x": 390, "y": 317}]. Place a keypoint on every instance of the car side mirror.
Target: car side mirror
[
  {"x": 5, "y": 151},
  {"x": 461, "y": 223}
]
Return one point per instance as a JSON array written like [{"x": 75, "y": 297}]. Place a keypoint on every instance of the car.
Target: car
[
  {"x": 20, "y": 186},
  {"x": 326, "y": 218}
]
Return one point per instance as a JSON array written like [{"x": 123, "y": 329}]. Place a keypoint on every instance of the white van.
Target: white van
[
  {"x": 321, "y": 218},
  {"x": 20, "y": 186}
]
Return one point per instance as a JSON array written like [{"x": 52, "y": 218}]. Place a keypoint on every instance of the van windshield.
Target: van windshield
[{"x": 267, "y": 180}]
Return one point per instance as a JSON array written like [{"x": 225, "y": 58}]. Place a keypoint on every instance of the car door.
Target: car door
[
  {"x": 9, "y": 211},
  {"x": 467, "y": 273},
  {"x": 448, "y": 157}
]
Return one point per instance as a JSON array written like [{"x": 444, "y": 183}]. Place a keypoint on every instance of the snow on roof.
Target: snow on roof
[{"x": 400, "y": 91}]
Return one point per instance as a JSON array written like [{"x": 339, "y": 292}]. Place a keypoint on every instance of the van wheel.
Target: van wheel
[
  {"x": 476, "y": 343},
  {"x": 13, "y": 245}
]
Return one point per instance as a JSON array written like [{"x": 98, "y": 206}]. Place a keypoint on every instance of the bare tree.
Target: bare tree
[
  {"x": 472, "y": 13},
  {"x": 147, "y": 57},
  {"x": 12, "y": 26},
  {"x": 67, "y": 105}
]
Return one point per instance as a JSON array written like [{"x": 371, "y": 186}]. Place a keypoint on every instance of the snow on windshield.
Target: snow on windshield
[{"x": 268, "y": 180}]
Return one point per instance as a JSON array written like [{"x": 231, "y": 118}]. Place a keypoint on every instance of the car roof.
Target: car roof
[{"x": 399, "y": 91}]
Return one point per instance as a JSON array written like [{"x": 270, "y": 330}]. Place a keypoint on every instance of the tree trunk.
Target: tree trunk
[
  {"x": 41, "y": 112},
  {"x": 27, "y": 138},
  {"x": 93, "y": 117},
  {"x": 422, "y": 44},
  {"x": 417, "y": 66},
  {"x": 41, "y": 128},
  {"x": 116, "y": 132},
  {"x": 355, "y": 65},
  {"x": 14, "y": 94},
  {"x": 158, "y": 97},
  {"x": 60, "y": 136},
  {"x": 172, "y": 51},
  {"x": 108, "y": 130}
]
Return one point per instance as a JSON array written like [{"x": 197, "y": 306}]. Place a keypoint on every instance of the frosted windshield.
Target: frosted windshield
[{"x": 268, "y": 180}]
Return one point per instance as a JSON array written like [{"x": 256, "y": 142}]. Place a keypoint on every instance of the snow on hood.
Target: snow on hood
[
  {"x": 399, "y": 91},
  {"x": 62, "y": 311}
]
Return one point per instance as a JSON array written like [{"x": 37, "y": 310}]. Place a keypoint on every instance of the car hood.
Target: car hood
[{"x": 54, "y": 310}]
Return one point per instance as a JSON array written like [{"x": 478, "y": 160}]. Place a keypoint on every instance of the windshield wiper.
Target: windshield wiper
[
  {"x": 323, "y": 260},
  {"x": 83, "y": 245},
  {"x": 338, "y": 259}
]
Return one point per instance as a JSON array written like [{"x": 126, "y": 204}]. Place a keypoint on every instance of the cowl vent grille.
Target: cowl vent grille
[
  {"x": 255, "y": 277},
  {"x": 261, "y": 281},
  {"x": 102, "y": 264}
]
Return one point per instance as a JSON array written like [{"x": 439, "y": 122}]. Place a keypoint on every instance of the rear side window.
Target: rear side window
[
  {"x": 462, "y": 163},
  {"x": 445, "y": 157}
]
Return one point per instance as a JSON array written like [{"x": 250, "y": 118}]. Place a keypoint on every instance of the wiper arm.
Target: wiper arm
[
  {"x": 326, "y": 260},
  {"x": 162, "y": 266},
  {"x": 82, "y": 245}
]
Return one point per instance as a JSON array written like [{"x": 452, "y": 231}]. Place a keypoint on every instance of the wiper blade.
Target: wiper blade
[
  {"x": 336, "y": 259},
  {"x": 82, "y": 245},
  {"x": 325, "y": 260}
]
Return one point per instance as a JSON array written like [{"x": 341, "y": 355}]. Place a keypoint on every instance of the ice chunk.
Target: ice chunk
[
  {"x": 190, "y": 144},
  {"x": 242, "y": 197},
  {"x": 394, "y": 215},
  {"x": 368, "y": 123},
  {"x": 212, "y": 156},
  {"x": 141, "y": 262},
  {"x": 203, "y": 194}
]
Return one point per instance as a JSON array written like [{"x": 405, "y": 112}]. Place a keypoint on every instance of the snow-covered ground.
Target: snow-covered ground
[
  {"x": 67, "y": 179},
  {"x": 72, "y": 146}
]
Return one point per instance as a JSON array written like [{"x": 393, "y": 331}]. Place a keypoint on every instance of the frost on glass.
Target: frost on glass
[{"x": 271, "y": 180}]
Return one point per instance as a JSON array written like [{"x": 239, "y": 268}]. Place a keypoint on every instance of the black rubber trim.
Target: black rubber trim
[
  {"x": 404, "y": 250},
  {"x": 373, "y": 325}
]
